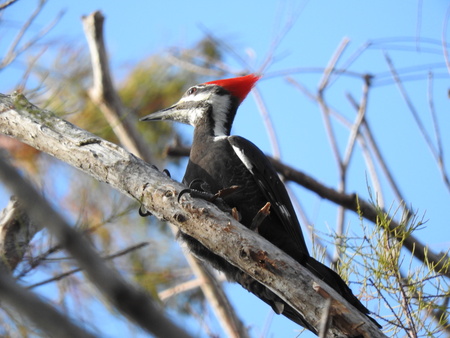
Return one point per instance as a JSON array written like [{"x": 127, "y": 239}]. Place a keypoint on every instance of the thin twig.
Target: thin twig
[
  {"x": 265, "y": 116},
  {"x": 323, "y": 83},
  {"x": 406, "y": 308},
  {"x": 14, "y": 51},
  {"x": 418, "y": 23},
  {"x": 11, "y": 54},
  {"x": 410, "y": 105},
  {"x": 355, "y": 130},
  {"x": 437, "y": 133},
  {"x": 48, "y": 319},
  {"x": 435, "y": 152},
  {"x": 7, "y": 4},
  {"x": 103, "y": 93},
  {"x": 329, "y": 70},
  {"x": 315, "y": 239},
  {"x": 288, "y": 24},
  {"x": 179, "y": 288},
  {"x": 370, "y": 165},
  {"x": 71, "y": 272},
  {"x": 191, "y": 66},
  {"x": 444, "y": 39}
]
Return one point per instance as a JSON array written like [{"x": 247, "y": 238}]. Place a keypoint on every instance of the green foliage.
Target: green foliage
[
  {"x": 412, "y": 295},
  {"x": 153, "y": 85}
]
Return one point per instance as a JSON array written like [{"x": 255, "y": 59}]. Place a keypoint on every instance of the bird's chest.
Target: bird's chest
[{"x": 216, "y": 164}]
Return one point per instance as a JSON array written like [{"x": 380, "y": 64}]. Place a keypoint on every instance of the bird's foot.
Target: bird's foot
[
  {"x": 143, "y": 212},
  {"x": 260, "y": 217},
  {"x": 201, "y": 189}
]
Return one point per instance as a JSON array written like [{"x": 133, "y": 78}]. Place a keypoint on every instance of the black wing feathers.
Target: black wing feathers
[{"x": 272, "y": 187}]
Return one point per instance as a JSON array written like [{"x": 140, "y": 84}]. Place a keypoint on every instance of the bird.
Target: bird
[{"x": 219, "y": 161}]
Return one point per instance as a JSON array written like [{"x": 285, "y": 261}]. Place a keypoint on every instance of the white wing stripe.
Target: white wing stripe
[{"x": 240, "y": 153}]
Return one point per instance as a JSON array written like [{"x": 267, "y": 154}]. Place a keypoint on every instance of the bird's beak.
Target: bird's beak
[{"x": 172, "y": 113}]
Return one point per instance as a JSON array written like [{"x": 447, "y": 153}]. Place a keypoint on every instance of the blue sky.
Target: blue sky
[{"x": 136, "y": 29}]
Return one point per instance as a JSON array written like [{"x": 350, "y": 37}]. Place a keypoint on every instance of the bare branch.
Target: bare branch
[
  {"x": 368, "y": 156},
  {"x": 7, "y": 4},
  {"x": 190, "y": 66},
  {"x": 437, "y": 133},
  {"x": 103, "y": 93},
  {"x": 218, "y": 300},
  {"x": 14, "y": 50},
  {"x": 329, "y": 70},
  {"x": 132, "y": 302},
  {"x": 435, "y": 152},
  {"x": 444, "y": 39},
  {"x": 354, "y": 132},
  {"x": 218, "y": 232},
  {"x": 179, "y": 288},
  {"x": 333, "y": 140},
  {"x": 265, "y": 116},
  {"x": 71, "y": 272}
]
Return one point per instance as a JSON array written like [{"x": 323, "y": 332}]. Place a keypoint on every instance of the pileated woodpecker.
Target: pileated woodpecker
[{"x": 218, "y": 161}]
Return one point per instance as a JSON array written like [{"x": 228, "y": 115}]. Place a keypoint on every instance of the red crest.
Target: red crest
[{"x": 238, "y": 86}]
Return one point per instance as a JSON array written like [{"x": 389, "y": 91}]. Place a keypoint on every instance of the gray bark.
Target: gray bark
[{"x": 215, "y": 230}]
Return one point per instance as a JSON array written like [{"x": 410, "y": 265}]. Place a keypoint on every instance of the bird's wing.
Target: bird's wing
[{"x": 274, "y": 190}]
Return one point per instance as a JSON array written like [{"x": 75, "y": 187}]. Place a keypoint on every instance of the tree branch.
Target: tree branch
[
  {"x": 218, "y": 232},
  {"x": 438, "y": 261},
  {"x": 103, "y": 93},
  {"x": 132, "y": 302},
  {"x": 71, "y": 272},
  {"x": 105, "y": 96}
]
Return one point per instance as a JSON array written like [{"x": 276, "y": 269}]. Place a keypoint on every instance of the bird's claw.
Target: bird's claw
[
  {"x": 143, "y": 212},
  {"x": 260, "y": 217},
  {"x": 225, "y": 192},
  {"x": 200, "y": 189},
  {"x": 207, "y": 196}
]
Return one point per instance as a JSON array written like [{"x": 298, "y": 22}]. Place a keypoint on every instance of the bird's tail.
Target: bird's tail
[{"x": 335, "y": 281}]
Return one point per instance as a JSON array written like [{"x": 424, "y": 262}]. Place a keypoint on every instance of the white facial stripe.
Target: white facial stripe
[
  {"x": 193, "y": 114},
  {"x": 195, "y": 98},
  {"x": 243, "y": 158},
  {"x": 220, "y": 104}
]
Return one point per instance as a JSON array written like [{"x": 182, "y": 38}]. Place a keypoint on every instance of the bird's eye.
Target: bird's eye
[{"x": 192, "y": 90}]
